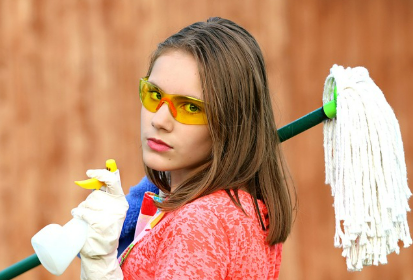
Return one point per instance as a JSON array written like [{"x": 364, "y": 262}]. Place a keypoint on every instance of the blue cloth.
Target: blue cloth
[{"x": 134, "y": 199}]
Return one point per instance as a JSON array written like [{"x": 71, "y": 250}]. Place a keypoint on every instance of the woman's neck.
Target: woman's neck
[{"x": 176, "y": 179}]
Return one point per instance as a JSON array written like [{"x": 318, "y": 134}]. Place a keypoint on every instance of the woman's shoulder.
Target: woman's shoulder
[
  {"x": 217, "y": 202},
  {"x": 223, "y": 232},
  {"x": 217, "y": 207},
  {"x": 199, "y": 218}
]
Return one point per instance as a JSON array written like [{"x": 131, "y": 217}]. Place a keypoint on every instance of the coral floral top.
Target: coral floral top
[{"x": 209, "y": 238}]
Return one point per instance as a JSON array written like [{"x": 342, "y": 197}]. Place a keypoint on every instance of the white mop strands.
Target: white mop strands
[{"x": 366, "y": 169}]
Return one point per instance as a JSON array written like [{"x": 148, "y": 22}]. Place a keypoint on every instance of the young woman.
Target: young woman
[{"x": 210, "y": 145}]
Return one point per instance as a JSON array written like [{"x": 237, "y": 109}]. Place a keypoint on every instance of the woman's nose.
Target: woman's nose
[{"x": 162, "y": 119}]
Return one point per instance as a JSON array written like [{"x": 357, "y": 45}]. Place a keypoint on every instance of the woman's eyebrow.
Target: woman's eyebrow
[
  {"x": 154, "y": 84},
  {"x": 159, "y": 88}
]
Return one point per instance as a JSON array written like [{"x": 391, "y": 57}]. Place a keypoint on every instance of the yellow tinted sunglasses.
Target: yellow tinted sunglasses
[{"x": 184, "y": 109}]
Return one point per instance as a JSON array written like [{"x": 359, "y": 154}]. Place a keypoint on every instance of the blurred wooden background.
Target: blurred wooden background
[{"x": 69, "y": 74}]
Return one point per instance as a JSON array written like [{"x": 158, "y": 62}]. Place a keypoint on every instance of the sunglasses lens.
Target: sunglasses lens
[
  {"x": 149, "y": 96},
  {"x": 185, "y": 109},
  {"x": 189, "y": 111}
]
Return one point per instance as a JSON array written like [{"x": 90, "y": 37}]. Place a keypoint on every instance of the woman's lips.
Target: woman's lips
[{"x": 158, "y": 145}]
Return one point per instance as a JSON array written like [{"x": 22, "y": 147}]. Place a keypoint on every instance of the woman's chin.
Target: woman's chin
[{"x": 156, "y": 165}]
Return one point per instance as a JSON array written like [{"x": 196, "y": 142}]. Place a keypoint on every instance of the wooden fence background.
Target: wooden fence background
[{"x": 69, "y": 73}]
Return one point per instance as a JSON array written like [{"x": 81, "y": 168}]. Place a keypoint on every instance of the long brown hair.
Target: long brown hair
[{"x": 245, "y": 150}]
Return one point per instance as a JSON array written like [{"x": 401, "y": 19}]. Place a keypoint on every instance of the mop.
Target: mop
[{"x": 365, "y": 166}]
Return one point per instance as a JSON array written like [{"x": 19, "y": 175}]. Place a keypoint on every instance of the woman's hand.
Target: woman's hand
[{"x": 105, "y": 212}]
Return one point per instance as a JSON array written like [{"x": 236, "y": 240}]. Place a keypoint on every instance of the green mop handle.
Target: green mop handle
[
  {"x": 328, "y": 111},
  {"x": 19, "y": 267}
]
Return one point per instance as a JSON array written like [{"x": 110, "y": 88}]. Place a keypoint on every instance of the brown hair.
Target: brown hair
[{"x": 245, "y": 150}]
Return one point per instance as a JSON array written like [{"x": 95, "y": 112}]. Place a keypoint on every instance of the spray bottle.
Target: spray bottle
[{"x": 57, "y": 246}]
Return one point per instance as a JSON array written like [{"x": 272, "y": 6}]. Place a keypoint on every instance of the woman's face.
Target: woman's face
[{"x": 167, "y": 144}]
